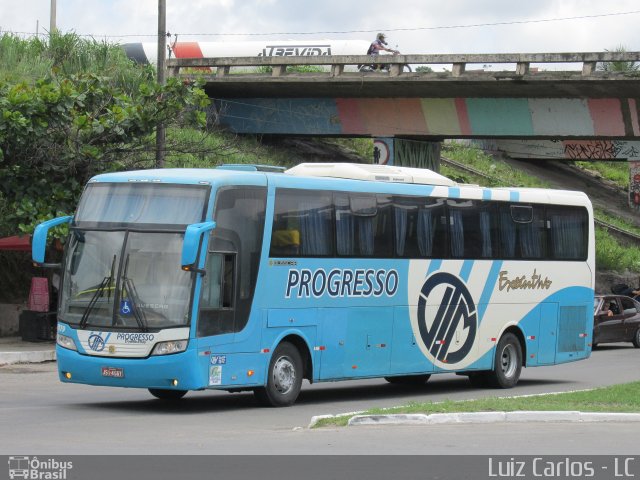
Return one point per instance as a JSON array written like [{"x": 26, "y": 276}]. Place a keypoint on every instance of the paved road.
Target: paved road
[{"x": 40, "y": 415}]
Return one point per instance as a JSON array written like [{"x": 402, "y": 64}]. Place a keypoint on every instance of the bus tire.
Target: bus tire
[
  {"x": 284, "y": 377},
  {"x": 507, "y": 363},
  {"x": 636, "y": 339},
  {"x": 166, "y": 394},
  {"x": 414, "y": 380}
]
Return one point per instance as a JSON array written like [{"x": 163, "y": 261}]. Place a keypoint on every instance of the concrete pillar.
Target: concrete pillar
[
  {"x": 417, "y": 154},
  {"x": 634, "y": 185}
]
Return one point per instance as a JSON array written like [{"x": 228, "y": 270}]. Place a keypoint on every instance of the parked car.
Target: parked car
[{"x": 616, "y": 318}]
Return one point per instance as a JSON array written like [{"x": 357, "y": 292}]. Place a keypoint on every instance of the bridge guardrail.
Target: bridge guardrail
[{"x": 458, "y": 62}]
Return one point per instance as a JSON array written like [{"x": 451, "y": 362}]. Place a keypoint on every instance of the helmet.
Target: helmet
[{"x": 381, "y": 36}]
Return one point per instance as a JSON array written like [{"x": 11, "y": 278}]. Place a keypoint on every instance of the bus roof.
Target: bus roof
[
  {"x": 345, "y": 176},
  {"x": 380, "y": 173}
]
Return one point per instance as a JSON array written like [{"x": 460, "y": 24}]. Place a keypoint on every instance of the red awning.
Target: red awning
[{"x": 16, "y": 243}]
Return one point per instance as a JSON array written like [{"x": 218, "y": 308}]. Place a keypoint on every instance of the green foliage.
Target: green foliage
[
  {"x": 68, "y": 54},
  {"x": 501, "y": 173},
  {"x": 617, "y": 172},
  {"x": 610, "y": 255},
  {"x": 424, "y": 69},
  {"x": 206, "y": 150},
  {"x": 62, "y": 128},
  {"x": 618, "y": 66}
]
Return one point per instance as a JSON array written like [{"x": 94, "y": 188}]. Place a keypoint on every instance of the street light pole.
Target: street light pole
[
  {"x": 52, "y": 17},
  {"x": 162, "y": 32}
]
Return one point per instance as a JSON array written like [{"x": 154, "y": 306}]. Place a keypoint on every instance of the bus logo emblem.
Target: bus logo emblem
[
  {"x": 456, "y": 305},
  {"x": 96, "y": 342}
]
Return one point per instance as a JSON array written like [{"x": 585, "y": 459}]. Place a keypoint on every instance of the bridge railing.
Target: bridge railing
[{"x": 221, "y": 67}]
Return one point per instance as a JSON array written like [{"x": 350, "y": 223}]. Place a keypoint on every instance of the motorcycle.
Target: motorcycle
[{"x": 384, "y": 67}]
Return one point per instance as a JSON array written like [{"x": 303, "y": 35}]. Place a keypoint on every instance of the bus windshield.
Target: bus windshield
[{"x": 125, "y": 280}]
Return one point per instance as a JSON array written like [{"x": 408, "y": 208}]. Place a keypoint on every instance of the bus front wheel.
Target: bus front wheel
[
  {"x": 507, "y": 363},
  {"x": 164, "y": 394},
  {"x": 284, "y": 377}
]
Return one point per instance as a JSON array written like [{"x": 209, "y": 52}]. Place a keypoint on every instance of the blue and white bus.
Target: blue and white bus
[{"x": 245, "y": 278}]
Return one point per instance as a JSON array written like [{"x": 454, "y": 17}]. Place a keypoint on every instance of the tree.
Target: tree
[{"x": 58, "y": 132}]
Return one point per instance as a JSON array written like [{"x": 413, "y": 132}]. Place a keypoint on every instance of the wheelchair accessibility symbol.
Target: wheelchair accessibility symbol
[{"x": 125, "y": 307}]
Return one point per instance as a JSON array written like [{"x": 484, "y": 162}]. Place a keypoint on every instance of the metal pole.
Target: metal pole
[
  {"x": 162, "y": 32},
  {"x": 52, "y": 17}
]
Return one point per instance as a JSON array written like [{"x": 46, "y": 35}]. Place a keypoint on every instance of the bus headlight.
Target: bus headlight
[
  {"x": 66, "y": 342},
  {"x": 167, "y": 348}
]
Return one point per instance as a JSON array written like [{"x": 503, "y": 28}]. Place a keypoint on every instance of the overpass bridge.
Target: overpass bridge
[{"x": 561, "y": 102}]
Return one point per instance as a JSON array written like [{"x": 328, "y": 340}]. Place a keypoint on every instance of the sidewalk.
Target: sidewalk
[{"x": 15, "y": 350}]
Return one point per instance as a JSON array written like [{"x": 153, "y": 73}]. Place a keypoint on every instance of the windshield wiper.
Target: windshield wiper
[
  {"x": 138, "y": 313},
  {"x": 106, "y": 281}
]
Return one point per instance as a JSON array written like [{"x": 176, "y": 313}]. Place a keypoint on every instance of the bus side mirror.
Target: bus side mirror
[
  {"x": 191, "y": 244},
  {"x": 39, "y": 239}
]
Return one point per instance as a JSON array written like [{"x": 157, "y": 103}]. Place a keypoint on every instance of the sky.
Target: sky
[{"x": 415, "y": 26}]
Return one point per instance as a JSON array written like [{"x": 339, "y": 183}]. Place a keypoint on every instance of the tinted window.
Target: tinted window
[
  {"x": 363, "y": 225},
  {"x": 302, "y": 224},
  {"x": 141, "y": 204},
  {"x": 522, "y": 232},
  {"x": 568, "y": 233},
  {"x": 472, "y": 229},
  {"x": 628, "y": 306}
]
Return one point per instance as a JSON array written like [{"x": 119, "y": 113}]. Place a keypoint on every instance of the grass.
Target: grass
[
  {"x": 617, "y": 172},
  {"x": 617, "y": 398},
  {"x": 503, "y": 175},
  {"x": 610, "y": 255}
]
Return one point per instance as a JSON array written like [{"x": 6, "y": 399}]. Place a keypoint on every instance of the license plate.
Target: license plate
[{"x": 113, "y": 372}]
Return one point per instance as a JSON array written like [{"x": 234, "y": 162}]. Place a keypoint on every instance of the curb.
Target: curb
[
  {"x": 37, "y": 356},
  {"x": 489, "y": 417}
]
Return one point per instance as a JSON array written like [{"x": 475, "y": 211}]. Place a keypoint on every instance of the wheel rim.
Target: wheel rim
[
  {"x": 508, "y": 360},
  {"x": 284, "y": 375}
]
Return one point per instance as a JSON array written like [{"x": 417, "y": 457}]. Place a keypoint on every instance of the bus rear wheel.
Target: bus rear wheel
[
  {"x": 164, "y": 394},
  {"x": 507, "y": 363},
  {"x": 284, "y": 379},
  {"x": 415, "y": 380}
]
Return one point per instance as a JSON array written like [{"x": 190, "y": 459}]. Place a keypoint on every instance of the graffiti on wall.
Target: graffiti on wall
[
  {"x": 600, "y": 150},
  {"x": 623, "y": 150}
]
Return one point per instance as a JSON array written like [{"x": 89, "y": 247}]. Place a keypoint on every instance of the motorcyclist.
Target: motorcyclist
[{"x": 379, "y": 44}]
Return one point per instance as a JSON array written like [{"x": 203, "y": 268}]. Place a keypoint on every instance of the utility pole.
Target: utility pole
[
  {"x": 52, "y": 17},
  {"x": 162, "y": 33}
]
